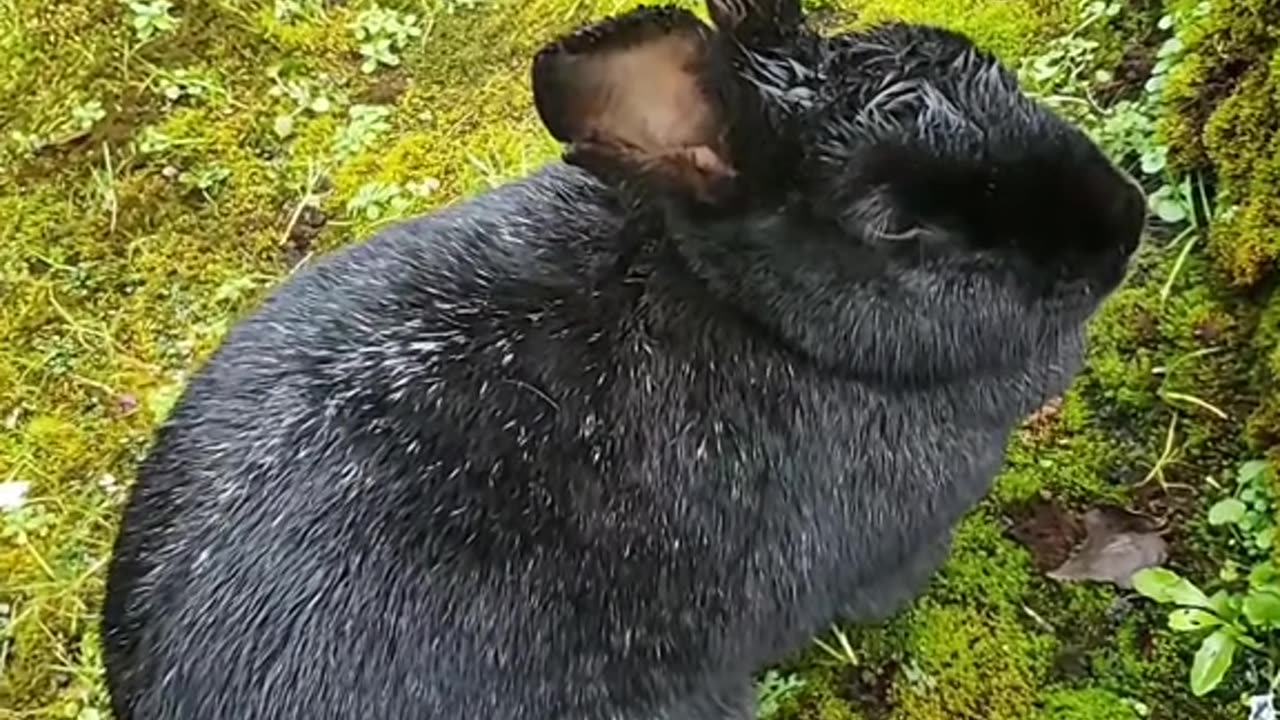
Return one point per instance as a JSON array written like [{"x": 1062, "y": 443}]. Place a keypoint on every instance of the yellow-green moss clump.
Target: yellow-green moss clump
[
  {"x": 1086, "y": 704},
  {"x": 1011, "y": 30},
  {"x": 972, "y": 665},
  {"x": 1224, "y": 119}
]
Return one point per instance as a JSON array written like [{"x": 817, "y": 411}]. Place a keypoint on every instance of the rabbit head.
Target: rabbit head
[{"x": 887, "y": 200}]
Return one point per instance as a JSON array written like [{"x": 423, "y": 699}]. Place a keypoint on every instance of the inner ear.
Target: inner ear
[
  {"x": 636, "y": 95},
  {"x": 757, "y": 23}
]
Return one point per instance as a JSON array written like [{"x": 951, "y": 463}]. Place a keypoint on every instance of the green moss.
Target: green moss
[
  {"x": 1012, "y": 30},
  {"x": 1225, "y": 106},
  {"x": 1142, "y": 653},
  {"x": 985, "y": 567},
  {"x": 1072, "y": 466},
  {"x": 978, "y": 664},
  {"x": 819, "y": 699},
  {"x": 1243, "y": 143},
  {"x": 1086, "y": 704}
]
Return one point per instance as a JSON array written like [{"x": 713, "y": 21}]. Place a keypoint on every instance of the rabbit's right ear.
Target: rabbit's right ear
[{"x": 640, "y": 97}]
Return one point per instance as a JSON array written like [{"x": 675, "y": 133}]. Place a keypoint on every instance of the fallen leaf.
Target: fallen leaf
[
  {"x": 1118, "y": 544},
  {"x": 1048, "y": 530}
]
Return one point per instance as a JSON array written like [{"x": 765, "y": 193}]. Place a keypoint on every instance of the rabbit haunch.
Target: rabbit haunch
[{"x": 606, "y": 440}]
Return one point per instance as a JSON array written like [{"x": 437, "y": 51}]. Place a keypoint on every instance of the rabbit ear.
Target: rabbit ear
[
  {"x": 634, "y": 96},
  {"x": 756, "y": 23}
]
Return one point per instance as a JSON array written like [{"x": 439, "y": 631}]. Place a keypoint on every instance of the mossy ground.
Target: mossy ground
[{"x": 131, "y": 239}]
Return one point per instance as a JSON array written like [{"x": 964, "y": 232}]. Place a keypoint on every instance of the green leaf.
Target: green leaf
[
  {"x": 1262, "y": 574},
  {"x": 1190, "y": 619},
  {"x": 1218, "y": 602},
  {"x": 1265, "y": 538},
  {"x": 1167, "y": 586},
  {"x": 1251, "y": 471},
  {"x": 1262, "y": 608},
  {"x": 1226, "y": 511},
  {"x": 1165, "y": 203},
  {"x": 1169, "y": 47},
  {"x": 1154, "y": 160},
  {"x": 1212, "y": 662}
]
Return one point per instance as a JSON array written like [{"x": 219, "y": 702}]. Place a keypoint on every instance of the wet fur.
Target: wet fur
[{"x": 571, "y": 451}]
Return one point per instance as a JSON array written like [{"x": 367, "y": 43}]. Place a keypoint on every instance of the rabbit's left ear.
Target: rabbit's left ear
[{"x": 641, "y": 97}]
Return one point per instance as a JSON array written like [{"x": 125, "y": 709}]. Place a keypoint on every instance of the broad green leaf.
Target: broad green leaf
[
  {"x": 1265, "y": 537},
  {"x": 1252, "y": 470},
  {"x": 1262, "y": 574},
  {"x": 1164, "y": 202},
  {"x": 1219, "y": 602},
  {"x": 1154, "y": 161},
  {"x": 1167, "y": 586},
  {"x": 1212, "y": 662},
  {"x": 1169, "y": 47},
  {"x": 1262, "y": 608},
  {"x": 1226, "y": 511},
  {"x": 1189, "y": 619}
]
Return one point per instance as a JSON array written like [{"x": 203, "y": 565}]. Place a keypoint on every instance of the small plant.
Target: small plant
[
  {"x": 376, "y": 201},
  {"x": 154, "y": 142},
  {"x": 1230, "y": 619},
  {"x": 1062, "y": 75},
  {"x": 85, "y": 115},
  {"x": 366, "y": 123},
  {"x": 453, "y": 7},
  {"x": 79, "y": 122},
  {"x": 1250, "y": 511},
  {"x": 206, "y": 181},
  {"x": 773, "y": 690},
  {"x": 178, "y": 84},
  {"x": 150, "y": 18},
  {"x": 1244, "y": 612},
  {"x": 28, "y": 143},
  {"x": 306, "y": 99},
  {"x": 382, "y": 35},
  {"x": 289, "y": 10},
  {"x": 381, "y": 202}
]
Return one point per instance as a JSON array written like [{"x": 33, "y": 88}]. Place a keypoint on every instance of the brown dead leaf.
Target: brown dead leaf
[
  {"x": 1118, "y": 544},
  {"x": 1048, "y": 530}
]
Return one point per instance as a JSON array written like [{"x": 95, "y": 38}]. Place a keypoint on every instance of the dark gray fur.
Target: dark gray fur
[{"x": 564, "y": 452}]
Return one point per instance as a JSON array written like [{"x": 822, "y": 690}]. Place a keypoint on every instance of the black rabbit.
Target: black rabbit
[{"x": 603, "y": 442}]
